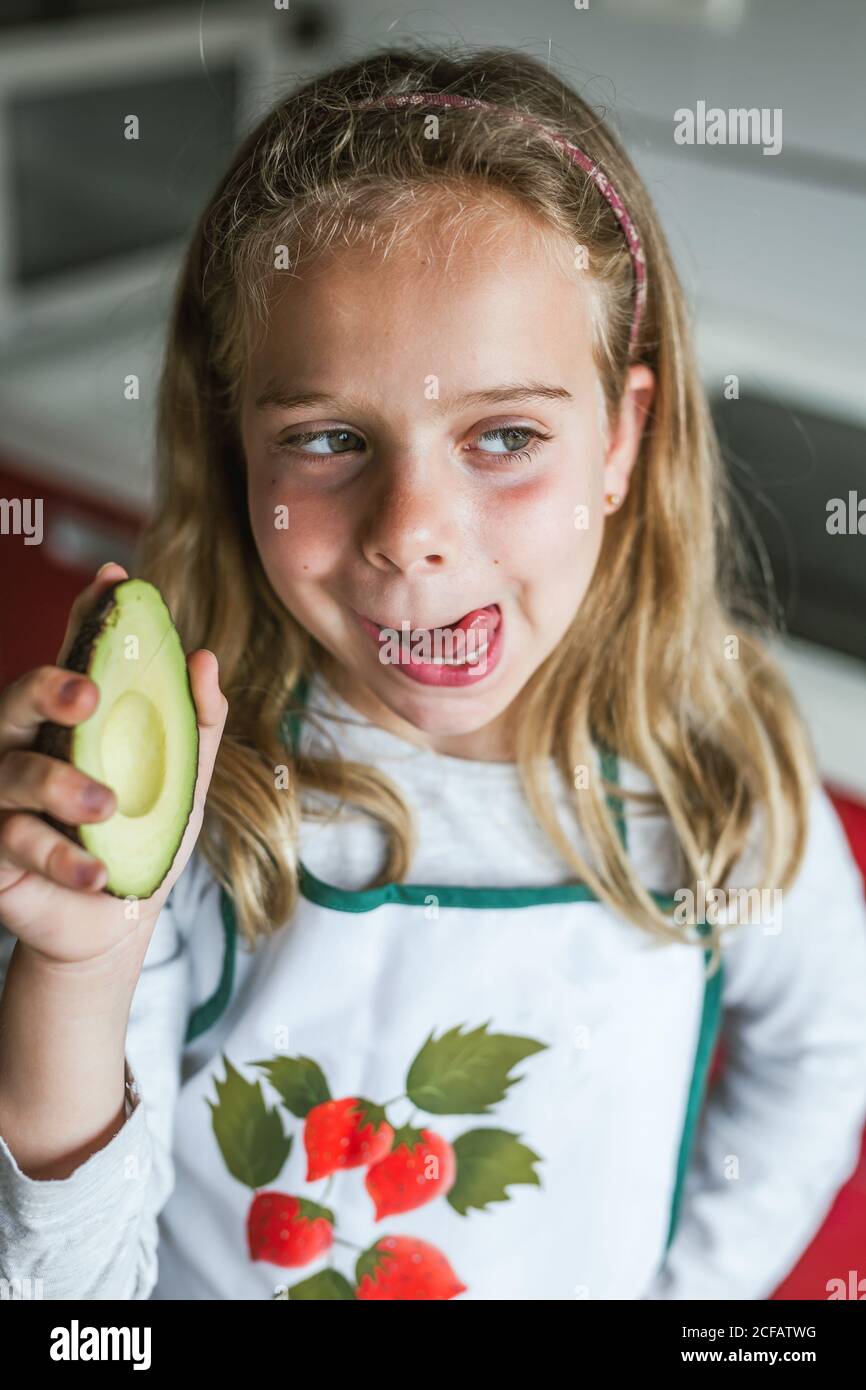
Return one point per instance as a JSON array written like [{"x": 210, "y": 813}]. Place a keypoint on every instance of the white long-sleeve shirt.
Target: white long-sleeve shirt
[{"x": 597, "y": 1040}]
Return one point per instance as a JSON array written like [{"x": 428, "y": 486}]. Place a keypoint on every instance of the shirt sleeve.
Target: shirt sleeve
[
  {"x": 93, "y": 1234},
  {"x": 780, "y": 1130}
]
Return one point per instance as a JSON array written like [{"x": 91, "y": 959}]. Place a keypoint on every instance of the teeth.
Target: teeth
[{"x": 470, "y": 660}]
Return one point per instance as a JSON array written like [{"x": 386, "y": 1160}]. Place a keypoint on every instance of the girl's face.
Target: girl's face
[{"x": 446, "y": 435}]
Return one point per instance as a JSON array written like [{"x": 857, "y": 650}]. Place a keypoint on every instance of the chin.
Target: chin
[{"x": 445, "y": 712}]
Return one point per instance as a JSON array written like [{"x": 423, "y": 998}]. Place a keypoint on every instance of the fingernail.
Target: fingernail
[
  {"x": 107, "y": 564},
  {"x": 69, "y": 691},
  {"x": 94, "y": 798},
  {"x": 87, "y": 874}
]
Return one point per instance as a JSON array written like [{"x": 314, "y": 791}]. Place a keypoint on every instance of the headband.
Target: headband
[{"x": 590, "y": 168}]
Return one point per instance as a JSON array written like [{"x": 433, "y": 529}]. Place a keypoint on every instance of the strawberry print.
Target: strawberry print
[
  {"x": 347, "y": 1133},
  {"x": 403, "y": 1267},
  {"x": 288, "y": 1231},
  {"x": 421, "y": 1166},
  {"x": 462, "y": 1071}
]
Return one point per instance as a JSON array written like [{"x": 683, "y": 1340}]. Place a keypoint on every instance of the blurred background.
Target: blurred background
[{"x": 769, "y": 249}]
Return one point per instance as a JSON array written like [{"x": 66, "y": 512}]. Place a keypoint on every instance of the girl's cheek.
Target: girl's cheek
[
  {"x": 547, "y": 551},
  {"x": 296, "y": 536},
  {"x": 548, "y": 516}
]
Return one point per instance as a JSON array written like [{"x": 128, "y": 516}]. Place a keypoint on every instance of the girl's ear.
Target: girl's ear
[{"x": 624, "y": 442}]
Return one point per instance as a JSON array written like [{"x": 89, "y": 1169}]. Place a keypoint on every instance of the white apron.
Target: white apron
[{"x": 531, "y": 1069}]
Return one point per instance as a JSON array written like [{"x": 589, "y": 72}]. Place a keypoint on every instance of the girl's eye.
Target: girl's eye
[
  {"x": 504, "y": 432},
  {"x": 294, "y": 441}
]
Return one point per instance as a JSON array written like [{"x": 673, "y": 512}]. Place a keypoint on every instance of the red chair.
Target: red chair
[{"x": 840, "y": 1245}]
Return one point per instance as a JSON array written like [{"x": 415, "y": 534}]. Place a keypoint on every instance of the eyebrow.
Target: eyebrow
[{"x": 276, "y": 396}]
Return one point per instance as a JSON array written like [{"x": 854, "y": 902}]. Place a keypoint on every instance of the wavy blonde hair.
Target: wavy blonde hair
[{"x": 646, "y": 670}]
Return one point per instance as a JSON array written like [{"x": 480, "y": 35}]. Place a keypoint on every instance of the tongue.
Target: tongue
[{"x": 479, "y": 617}]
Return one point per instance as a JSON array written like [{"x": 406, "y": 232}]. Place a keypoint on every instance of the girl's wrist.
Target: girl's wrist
[{"x": 103, "y": 984}]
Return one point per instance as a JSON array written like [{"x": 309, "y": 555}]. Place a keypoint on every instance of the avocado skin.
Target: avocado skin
[{"x": 55, "y": 740}]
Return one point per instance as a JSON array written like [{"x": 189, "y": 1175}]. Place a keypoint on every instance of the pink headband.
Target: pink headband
[{"x": 600, "y": 179}]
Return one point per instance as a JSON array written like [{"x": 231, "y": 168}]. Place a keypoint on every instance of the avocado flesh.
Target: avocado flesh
[{"x": 142, "y": 740}]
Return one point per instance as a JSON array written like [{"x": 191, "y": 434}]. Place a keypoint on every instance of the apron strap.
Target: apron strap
[
  {"x": 610, "y": 773},
  {"x": 290, "y": 722}
]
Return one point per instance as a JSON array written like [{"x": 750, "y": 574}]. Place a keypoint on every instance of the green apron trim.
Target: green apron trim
[
  {"x": 207, "y": 1013},
  {"x": 447, "y": 895},
  {"x": 413, "y": 894},
  {"x": 711, "y": 1018}
]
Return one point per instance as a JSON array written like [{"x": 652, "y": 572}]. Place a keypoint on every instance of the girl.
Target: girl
[{"x": 430, "y": 1011}]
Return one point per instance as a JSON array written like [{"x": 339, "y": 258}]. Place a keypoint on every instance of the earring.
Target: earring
[{"x": 613, "y": 499}]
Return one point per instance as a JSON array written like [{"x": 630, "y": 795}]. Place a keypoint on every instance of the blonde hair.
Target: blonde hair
[{"x": 645, "y": 668}]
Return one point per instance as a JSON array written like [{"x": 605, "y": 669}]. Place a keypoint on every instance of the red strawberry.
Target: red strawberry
[
  {"x": 287, "y": 1230},
  {"x": 401, "y": 1267},
  {"x": 420, "y": 1166},
  {"x": 346, "y": 1133}
]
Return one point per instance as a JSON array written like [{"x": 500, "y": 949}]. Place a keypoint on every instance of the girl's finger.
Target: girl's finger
[
  {"x": 37, "y": 782},
  {"x": 27, "y": 843},
  {"x": 47, "y": 692},
  {"x": 212, "y": 708}
]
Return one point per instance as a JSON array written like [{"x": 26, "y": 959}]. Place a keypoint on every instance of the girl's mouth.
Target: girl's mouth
[{"x": 457, "y": 654}]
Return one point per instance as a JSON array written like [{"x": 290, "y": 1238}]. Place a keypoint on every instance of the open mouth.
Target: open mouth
[{"x": 460, "y": 644}]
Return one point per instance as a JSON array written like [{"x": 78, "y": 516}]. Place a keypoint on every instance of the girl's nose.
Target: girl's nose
[{"x": 410, "y": 519}]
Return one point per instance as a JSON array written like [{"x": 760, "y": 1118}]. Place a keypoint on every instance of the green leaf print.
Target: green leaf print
[
  {"x": 370, "y": 1113},
  {"x": 408, "y": 1135},
  {"x": 299, "y": 1080},
  {"x": 466, "y": 1073},
  {"x": 313, "y": 1210},
  {"x": 250, "y": 1136},
  {"x": 370, "y": 1262},
  {"x": 488, "y": 1161},
  {"x": 328, "y": 1284}
]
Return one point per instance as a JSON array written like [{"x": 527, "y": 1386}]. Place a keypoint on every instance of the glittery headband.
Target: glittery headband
[{"x": 590, "y": 168}]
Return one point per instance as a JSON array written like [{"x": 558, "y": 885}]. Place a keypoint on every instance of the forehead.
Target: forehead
[{"x": 486, "y": 290}]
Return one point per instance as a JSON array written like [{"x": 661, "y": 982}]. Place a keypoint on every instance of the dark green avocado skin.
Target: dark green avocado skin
[{"x": 55, "y": 740}]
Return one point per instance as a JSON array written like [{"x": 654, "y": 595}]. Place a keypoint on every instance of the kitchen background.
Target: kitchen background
[{"x": 769, "y": 248}]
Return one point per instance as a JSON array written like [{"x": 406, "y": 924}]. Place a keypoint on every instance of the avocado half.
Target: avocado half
[{"x": 142, "y": 740}]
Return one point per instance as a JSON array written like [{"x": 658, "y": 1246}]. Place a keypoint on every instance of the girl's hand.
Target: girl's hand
[{"x": 42, "y": 899}]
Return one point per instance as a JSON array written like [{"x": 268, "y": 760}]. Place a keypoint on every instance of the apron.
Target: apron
[{"x": 424, "y": 1091}]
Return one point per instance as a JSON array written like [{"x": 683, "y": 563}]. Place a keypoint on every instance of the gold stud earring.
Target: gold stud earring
[{"x": 613, "y": 499}]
